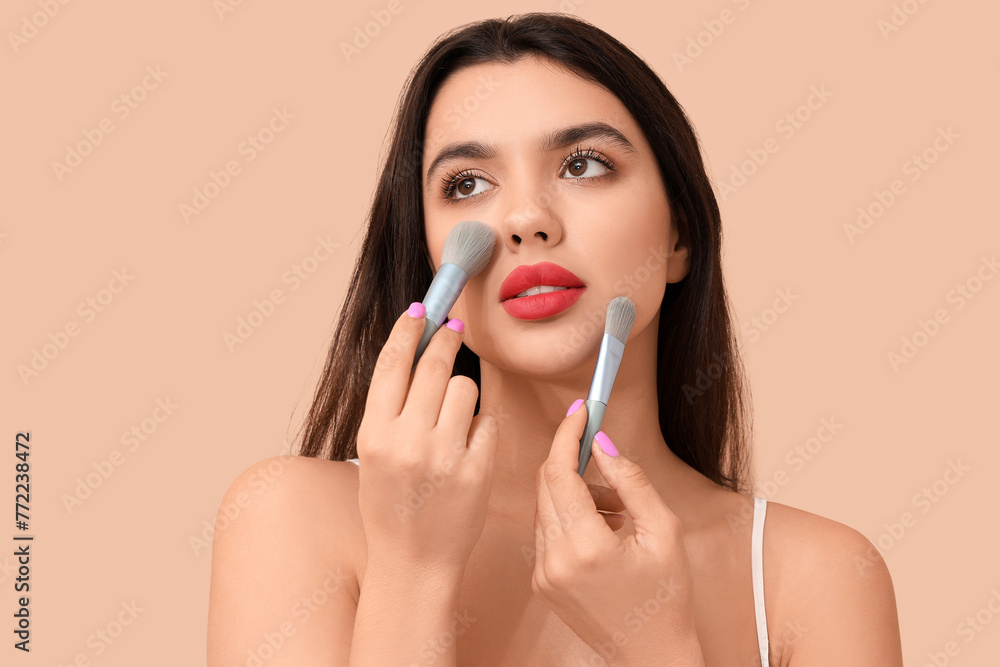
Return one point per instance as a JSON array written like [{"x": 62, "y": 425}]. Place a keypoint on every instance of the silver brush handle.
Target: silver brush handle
[
  {"x": 595, "y": 418},
  {"x": 609, "y": 358},
  {"x": 447, "y": 286}
]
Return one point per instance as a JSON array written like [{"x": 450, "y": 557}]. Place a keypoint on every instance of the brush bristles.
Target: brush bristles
[
  {"x": 469, "y": 246},
  {"x": 621, "y": 317}
]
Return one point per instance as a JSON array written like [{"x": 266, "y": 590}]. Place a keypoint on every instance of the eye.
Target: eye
[
  {"x": 578, "y": 167},
  {"x": 467, "y": 187},
  {"x": 463, "y": 184}
]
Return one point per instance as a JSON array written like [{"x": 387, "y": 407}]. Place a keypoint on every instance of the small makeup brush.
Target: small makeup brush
[
  {"x": 617, "y": 325},
  {"x": 467, "y": 251}
]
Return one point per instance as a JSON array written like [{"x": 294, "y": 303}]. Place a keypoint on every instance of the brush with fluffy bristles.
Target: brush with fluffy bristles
[
  {"x": 469, "y": 246},
  {"x": 617, "y": 325},
  {"x": 467, "y": 250}
]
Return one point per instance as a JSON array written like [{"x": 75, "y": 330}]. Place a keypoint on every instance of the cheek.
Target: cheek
[
  {"x": 647, "y": 231},
  {"x": 435, "y": 232},
  {"x": 639, "y": 267}
]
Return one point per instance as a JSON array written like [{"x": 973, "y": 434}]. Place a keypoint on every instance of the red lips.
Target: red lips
[{"x": 531, "y": 275}]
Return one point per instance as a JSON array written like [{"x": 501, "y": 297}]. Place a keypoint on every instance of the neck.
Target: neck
[{"x": 529, "y": 409}]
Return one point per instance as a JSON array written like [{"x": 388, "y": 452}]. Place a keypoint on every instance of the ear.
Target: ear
[{"x": 679, "y": 255}]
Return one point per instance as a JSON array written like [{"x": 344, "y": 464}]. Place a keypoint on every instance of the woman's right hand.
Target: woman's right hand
[{"x": 426, "y": 462}]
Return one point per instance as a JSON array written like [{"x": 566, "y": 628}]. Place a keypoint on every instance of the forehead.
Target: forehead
[{"x": 516, "y": 103}]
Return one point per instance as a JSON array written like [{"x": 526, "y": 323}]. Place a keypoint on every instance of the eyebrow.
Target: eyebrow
[{"x": 548, "y": 142}]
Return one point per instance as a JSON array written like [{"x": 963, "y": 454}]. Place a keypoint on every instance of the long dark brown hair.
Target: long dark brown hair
[{"x": 704, "y": 400}]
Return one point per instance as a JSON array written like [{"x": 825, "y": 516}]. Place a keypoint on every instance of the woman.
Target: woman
[{"x": 439, "y": 518}]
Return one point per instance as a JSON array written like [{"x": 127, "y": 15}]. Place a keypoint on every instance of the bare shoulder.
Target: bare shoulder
[
  {"x": 283, "y": 562},
  {"x": 300, "y": 497},
  {"x": 831, "y": 592}
]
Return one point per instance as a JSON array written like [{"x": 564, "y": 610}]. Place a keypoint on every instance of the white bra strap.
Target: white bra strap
[{"x": 757, "y": 564}]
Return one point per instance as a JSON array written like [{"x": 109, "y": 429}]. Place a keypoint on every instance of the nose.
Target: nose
[{"x": 531, "y": 221}]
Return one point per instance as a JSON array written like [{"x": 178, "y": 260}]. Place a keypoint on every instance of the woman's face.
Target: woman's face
[{"x": 590, "y": 200}]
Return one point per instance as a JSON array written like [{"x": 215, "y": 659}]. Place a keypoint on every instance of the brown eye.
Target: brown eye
[
  {"x": 578, "y": 167},
  {"x": 467, "y": 186}
]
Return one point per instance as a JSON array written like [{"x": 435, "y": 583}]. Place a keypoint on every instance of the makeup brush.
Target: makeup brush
[
  {"x": 617, "y": 325},
  {"x": 467, "y": 251}
]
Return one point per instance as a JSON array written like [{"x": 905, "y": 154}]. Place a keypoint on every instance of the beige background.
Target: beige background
[{"x": 161, "y": 336}]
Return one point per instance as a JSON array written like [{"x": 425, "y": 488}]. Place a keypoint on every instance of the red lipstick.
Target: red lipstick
[{"x": 542, "y": 305}]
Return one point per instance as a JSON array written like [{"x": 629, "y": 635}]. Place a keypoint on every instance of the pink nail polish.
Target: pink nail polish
[
  {"x": 604, "y": 442},
  {"x": 456, "y": 325},
  {"x": 576, "y": 406},
  {"x": 416, "y": 309}
]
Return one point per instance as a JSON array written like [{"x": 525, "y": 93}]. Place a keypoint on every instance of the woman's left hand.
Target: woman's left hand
[{"x": 629, "y": 598}]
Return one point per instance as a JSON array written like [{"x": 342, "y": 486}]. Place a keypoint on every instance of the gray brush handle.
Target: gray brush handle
[
  {"x": 442, "y": 294},
  {"x": 430, "y": 328},
  {"x": 595, "y": 419}
]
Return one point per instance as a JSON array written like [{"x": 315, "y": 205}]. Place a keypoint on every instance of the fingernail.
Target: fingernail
[
  {"x": 456, "y": 325},
  {"x": 416, "y": 309},
  {"x": 604, "y": 442},
  {"x": 576, "y": 406}
]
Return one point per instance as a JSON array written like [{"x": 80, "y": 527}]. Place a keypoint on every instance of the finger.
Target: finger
[
  {"x": 569, "y": 495},
  {"x": 457, "y": 410},
  {"x": 606, "y": 499},
  {"x": 548, "y": 528},
  {"x": 540, "y": 545},
  {"x": 483, "y": 438},
  {"x": 614, "y": 521},
  {"x": 565, "y": 450},
  {"x": 391, "y": 375},
  {"x": 643, "y": 503},
  {"x": 544, "y": 524},
  {"x": 431, "y": 376}
]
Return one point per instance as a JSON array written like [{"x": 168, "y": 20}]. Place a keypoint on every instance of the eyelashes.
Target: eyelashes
[{"x": 449, "y": 183}]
